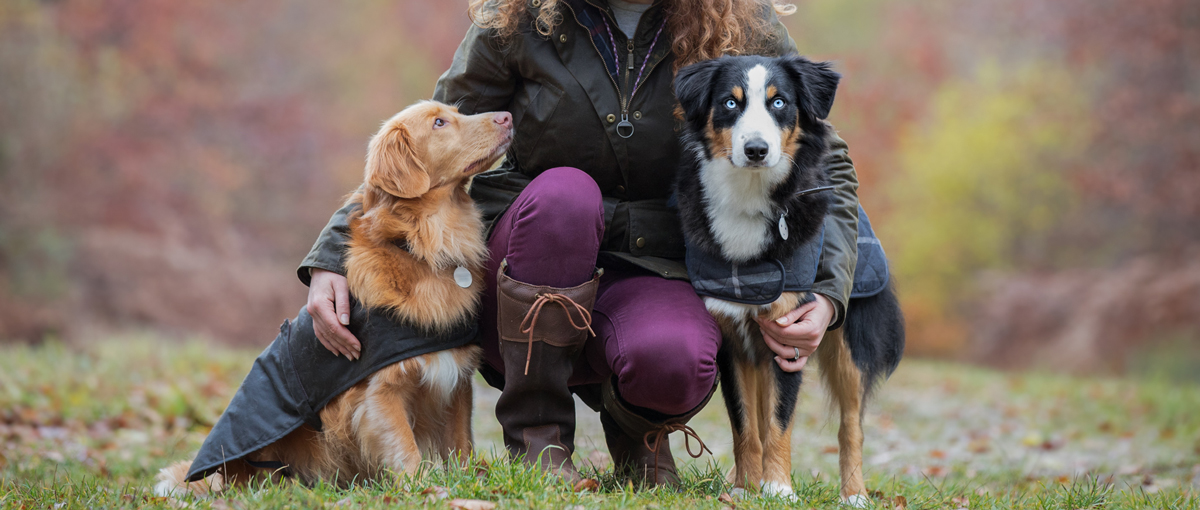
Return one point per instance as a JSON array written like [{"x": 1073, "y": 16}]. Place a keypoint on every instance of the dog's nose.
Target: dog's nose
[
  {"x": 756, "y": 150},
  {"x": 503, "y": 119}
]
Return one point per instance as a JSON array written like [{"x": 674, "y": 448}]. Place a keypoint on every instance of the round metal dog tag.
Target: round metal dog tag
[
  {"x": 462, "y": 277},
  {"x": 783, "y": 232}
]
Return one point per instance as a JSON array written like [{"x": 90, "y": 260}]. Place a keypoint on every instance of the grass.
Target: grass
[{"x": 89, "y": 426}]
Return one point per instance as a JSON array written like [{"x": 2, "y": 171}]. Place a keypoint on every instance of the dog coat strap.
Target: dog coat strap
[{"x": 266, "y": 464}]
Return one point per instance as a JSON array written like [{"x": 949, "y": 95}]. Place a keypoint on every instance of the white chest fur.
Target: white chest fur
[{"x": 739, "y": 206}]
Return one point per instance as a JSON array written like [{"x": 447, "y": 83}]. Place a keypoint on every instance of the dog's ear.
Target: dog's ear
[
  {"x": 693, "y": 88},
  {"x": 818, "y": 83},
  {"x": 392, "y": 166}
]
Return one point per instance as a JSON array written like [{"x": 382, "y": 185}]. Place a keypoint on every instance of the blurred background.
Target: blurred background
[{"x": 1032, "y": 166}]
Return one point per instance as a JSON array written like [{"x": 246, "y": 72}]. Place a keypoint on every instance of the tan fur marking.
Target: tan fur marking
[
  {"x": 785, "y": 303},
  {"x": 738, "y": 93},
  {"x": 720, "y": 140},
  {"x": 791, "y": 138},
  {"x": 846, "y": 385},
  {"x": 771, "y": 91}
]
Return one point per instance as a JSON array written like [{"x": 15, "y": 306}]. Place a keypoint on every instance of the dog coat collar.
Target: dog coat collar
[{"x": 761, "y": 282}]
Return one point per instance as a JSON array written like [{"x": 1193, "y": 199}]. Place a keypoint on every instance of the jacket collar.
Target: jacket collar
[{"x": 589, "y": 13}]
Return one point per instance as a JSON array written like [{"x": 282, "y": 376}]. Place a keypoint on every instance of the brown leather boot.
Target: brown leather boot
[
  {"x": 639, "y": 446},
  {"x": 542, "y": 331}
]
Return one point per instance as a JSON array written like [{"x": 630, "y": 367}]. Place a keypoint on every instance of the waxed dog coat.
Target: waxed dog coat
[
  {"x": 761, "y": 282},
  {"x": 293, "y": 379}
]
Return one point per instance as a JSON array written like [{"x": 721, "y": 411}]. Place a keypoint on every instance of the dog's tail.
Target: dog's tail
[
  {"x": 172, "y": 482},
  {"x": 875, "y": 334}
]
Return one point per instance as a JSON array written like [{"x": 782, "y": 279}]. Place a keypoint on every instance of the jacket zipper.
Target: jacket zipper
[{"x": 628, "y": 75}]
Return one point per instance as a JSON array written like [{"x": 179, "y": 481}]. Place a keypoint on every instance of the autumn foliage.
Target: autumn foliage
[{"x": 166, "y": 164}]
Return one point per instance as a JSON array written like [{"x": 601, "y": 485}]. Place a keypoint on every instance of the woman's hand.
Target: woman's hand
[
  {"x": 329, "y": 306},
  {"x": 798, "y": 332}
]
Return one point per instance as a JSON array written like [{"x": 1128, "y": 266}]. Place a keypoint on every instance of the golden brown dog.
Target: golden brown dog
[{"x": 417, "y": 168}]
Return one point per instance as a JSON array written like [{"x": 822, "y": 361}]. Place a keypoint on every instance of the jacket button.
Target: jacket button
[
  {"x": 641, "y": 242},
  {"x": 621, "y": 189},
  {"x": 537, "y": 3},
  {"x": 637, "y": 115},
  {"x": 611, "y": 118},
  {"x": 562, "y": 38}
]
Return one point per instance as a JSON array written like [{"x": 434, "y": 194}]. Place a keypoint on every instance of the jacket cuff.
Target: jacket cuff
[
  {"x": 839, "y": 309},
  {"x": 328, "y": 258},
  {"x": 304, "y": 272}
]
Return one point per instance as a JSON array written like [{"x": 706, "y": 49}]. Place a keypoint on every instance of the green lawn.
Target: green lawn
[{"x": 89, "y": 427}]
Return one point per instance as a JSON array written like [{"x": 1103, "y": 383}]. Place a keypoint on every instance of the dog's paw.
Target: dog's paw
[
  {"x": 857, "y": 501},
  {"x": 167, "y": 489},
  {"x": 738, "y": 493},
  {"x": 779, "y": 490}
]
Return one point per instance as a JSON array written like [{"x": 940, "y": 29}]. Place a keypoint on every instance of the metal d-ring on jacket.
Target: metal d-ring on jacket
[{"x": 566, "y": 104}]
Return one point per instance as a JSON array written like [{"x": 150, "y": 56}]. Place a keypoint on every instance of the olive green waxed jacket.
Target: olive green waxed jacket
[{"x": 566, "y": 107}]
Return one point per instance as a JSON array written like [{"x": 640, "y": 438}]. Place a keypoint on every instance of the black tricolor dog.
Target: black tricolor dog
[{"x": 753, "y": 149}]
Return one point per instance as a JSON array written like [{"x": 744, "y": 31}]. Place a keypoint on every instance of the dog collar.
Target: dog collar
[
  {"x": 462, "y": 275},
  {"x": 783, "y": 228}
]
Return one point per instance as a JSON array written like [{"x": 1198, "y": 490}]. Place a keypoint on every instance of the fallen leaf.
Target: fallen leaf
[
  {"x": 937, "y": 454},
  {"x": 1106, "y": 427},
  {"x": 587, "y": 485},
  {"x": 1063, "y": 479},
  {"x": 829, "y": 449},
  {"x": 472, "y": 504},
  {"x": 962, "y": 502},
  {"x": 979, "y": 446},
  {"x": 726, "y": 498},
  {"x": 899, "y": 503},
  {"x": 344, "y": 502}
]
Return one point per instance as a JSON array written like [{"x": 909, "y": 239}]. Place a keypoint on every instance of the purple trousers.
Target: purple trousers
[{"x": 654, "y": 334}]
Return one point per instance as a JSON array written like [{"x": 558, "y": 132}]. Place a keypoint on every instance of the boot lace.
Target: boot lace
[
  {"x": 661, "y": 434},
  {"x": 535, "y": 310}
]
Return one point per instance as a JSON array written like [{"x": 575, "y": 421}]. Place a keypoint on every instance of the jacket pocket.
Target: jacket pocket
[{"x": 532, "y": 111}]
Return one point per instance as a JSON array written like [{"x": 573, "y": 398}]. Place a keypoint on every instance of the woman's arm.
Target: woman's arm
[
  {"x": 835, "y": 271},
  {"x": 479, "y": 80}
]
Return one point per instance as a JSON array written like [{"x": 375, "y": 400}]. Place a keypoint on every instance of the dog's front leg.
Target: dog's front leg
[
  {"x": 743, "y": 404},
  {"x": 845, "y": 383},
  {"x": 458, "y": 448},
  {"x": 777, "y": 438},
  {"x": 387, "y": 430}
]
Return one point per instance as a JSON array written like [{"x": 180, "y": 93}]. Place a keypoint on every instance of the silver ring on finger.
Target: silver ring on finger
[{"x": 797, "y": 358}]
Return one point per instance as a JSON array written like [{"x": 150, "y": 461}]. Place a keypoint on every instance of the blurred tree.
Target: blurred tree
[
  {"x": 981, "y": 186},
  {"x": 166, "y": 164}
]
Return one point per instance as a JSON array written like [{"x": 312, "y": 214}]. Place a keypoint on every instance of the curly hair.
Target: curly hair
[{"x": 700, "y": 29}]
